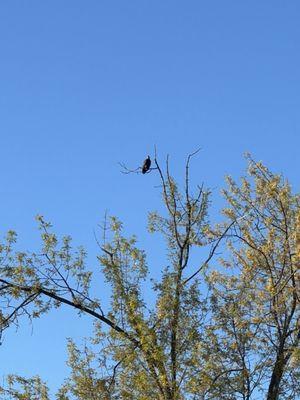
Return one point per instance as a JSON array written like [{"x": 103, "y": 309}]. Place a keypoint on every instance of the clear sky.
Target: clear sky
[{"x": 87, "y": 84}]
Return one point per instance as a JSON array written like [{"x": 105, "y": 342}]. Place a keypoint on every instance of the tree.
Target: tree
[
  {"x": 256, "y": 304},
  {"x": 24, "y": 389},
  {"x": 212, "y": 334}
]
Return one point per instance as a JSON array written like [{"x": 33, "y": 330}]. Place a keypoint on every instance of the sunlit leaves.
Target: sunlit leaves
[{"x": 217, "y": 333}]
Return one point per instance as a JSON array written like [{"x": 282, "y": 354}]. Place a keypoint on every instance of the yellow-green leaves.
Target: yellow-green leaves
[{"x": 226, "y": 330}]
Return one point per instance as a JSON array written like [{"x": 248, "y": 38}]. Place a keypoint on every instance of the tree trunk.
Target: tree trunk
[{"x": 278, "y": 371}]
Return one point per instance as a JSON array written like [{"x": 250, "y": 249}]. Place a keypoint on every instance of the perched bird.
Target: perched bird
[{"x": 146, "y": 165}]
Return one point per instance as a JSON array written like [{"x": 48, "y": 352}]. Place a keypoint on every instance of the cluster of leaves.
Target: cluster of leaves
[
  {"x": 20, "y": 388},
  {"x": 227, "y": 333}
]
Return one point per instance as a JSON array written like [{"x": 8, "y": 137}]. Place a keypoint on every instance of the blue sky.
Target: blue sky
[{"x": 85, "y": 85}]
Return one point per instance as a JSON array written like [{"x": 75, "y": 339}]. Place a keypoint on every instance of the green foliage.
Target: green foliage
[
  {"x": 19, "y": 388},
  {"x": 231, "y": 332}
]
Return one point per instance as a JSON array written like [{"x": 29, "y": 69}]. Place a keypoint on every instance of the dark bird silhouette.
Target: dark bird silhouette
[{"x": 146, "y": 165}]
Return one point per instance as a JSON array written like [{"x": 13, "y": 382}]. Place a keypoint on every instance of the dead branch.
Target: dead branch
[{"x": 125, "y": 170}]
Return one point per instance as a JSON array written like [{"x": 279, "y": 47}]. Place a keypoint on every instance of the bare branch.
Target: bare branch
[
  {"x": 125, "y": 170},
  {"x": 211, "y": 253}
]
